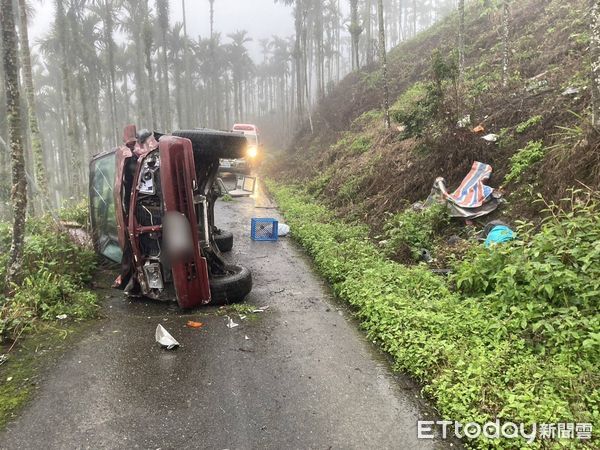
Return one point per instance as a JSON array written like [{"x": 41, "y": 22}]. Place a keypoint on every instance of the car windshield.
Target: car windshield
[{"x": 104, "y": 221}]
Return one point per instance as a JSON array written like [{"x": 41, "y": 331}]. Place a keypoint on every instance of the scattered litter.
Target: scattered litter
[
  {"x": 165, "y": 339},
  {"x": 3, "y": 359},
  {"x": 497, "y": 233},
  {"x": 425, "y": 255},
  {"x": 242, "y": 317},
  {"x": 246, "y": 338},
  {"x": 61, "y": 316},
  {"x": 442, "y": 272},
  {"x": 192, "y": 324},
  {"x": 465, "y": 121},
  {"x": 418, "y": 206},
  {"x": 283, "y": 230},
  {"x": 9, "y": 379},
  {"x": 472, "y": 199},
  {"x": 261, "y": 309},
  {"x": 479, "y": 129},
  {"x": 491, "y": 137},
  {"x": 571, "y": 91},
  {"x": 231, "y": 323}
]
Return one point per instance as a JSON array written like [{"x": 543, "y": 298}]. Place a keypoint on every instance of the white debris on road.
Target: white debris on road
[{"x": 164, "y": 338}]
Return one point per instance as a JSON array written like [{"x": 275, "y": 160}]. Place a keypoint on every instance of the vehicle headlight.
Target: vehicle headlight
[{"x": 252, "y": 151}]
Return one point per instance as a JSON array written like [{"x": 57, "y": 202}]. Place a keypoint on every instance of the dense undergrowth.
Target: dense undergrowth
[
  {"x": 514, "y": 334},
  {"x": 55, "y": 275}
]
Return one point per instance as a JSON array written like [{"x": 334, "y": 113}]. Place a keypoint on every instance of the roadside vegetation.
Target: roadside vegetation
[
  {"x": 55, "y": 276},
  {"x": 513, "y": 334},
  {"x": 513, "y": 331},
  {"x": 54, "y": 291}
]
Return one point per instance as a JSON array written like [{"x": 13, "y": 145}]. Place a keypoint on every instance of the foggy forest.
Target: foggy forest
[{"x": 300, "y": 224}]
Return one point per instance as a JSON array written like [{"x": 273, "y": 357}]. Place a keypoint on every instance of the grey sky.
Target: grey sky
[{"x": 261, "y": 18}]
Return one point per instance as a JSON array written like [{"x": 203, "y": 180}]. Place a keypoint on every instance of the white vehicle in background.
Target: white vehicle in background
[{"x": 253, "y": 152}]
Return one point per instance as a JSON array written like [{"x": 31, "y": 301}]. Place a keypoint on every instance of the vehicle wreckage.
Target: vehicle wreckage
[{"x": 152, "y": 206}]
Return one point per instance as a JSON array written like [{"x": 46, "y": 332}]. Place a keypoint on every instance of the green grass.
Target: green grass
[
  {"x": 481, "y": 352},
  {"x": 521, "y": 161},
  {"x": 528, "y": 124},
  {"x": 412, "y": 231}
]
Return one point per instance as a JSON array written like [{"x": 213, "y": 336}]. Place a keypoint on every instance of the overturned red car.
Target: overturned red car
[{"x": 152, "y": 210}]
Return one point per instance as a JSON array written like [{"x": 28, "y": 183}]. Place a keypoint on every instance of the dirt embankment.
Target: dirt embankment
[{"x": 363, "y": 170}]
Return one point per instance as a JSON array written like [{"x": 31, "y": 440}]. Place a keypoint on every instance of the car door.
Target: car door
[{"x": 102, "y": 207}]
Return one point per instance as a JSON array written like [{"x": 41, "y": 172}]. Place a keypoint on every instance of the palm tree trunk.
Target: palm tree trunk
[
  {"x": 298, "y": 58},
  {"x": 36, "y": 138},
  {"x": 147, "y": 32},
  {"x": 595, "y": 57},
  {"x": 368, "y": 27},
  {"x": 187, "y": 121},
  {"x": 162, "y": 7},
  {"x": 61, "y": 25},
  {"x": 461, "y": 37},
  {"x": 505, "y": 41},
  {"x": 140, "y": 82},
  {"x": 85, "y": 116},
  {"x": 212, "y": 19},
  {"x": 110, "y": 46},
  {"x": 17, "y": 157},
  {"x": 383, "y": 58},
  {"x": 355, "y": 31}
]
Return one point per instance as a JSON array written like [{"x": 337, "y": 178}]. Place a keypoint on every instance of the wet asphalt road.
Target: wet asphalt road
[{"x": 299, "y": 375}]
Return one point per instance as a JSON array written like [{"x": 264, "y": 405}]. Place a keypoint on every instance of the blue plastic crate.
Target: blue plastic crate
[{"x": 264, "y": 229}]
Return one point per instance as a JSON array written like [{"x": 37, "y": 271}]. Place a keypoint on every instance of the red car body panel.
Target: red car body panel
[
  {"x": 190, "y": 275},
  {"x": 178, "y": 176},
  {"x": 122, "y": 155}
]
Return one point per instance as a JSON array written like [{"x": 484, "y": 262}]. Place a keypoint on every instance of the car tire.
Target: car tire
[
  {"x": 231, "y": 288},
  {"x": 224, "y": 240},
  {"x": 216, "y": 144}
]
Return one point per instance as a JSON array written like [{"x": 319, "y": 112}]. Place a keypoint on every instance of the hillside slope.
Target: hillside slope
[{"x": 352, "y": 163}]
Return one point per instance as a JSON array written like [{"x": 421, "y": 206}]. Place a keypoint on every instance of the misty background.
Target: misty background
[{"x": 261, "y": 18}]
